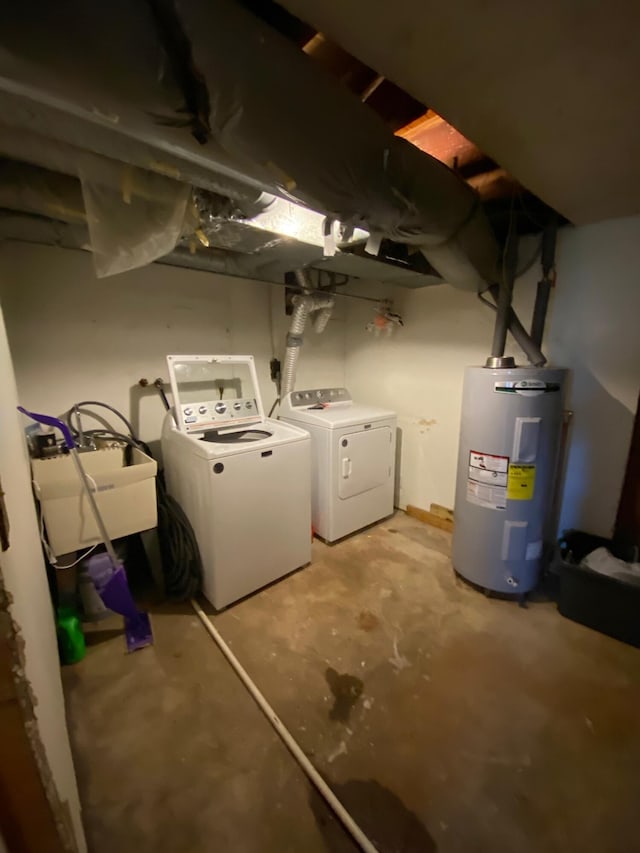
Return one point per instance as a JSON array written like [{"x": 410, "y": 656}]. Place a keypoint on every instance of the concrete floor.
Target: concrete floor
[{"x": 444, "y": 720}]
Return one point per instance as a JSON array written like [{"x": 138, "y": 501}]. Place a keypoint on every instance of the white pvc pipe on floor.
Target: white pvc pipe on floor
[{"x": 290, "y": 742}]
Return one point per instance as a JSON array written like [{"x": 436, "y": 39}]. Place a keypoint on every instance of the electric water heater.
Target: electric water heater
[{"x": 507, "y": 468}]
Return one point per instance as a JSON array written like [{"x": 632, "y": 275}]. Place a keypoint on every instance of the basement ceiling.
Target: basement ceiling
[{"x": 547, "y": 92}]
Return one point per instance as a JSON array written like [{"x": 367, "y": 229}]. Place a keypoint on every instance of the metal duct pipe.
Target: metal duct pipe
[
  {"x": 229, "y": 68},
  {"x": 540, "y": 308},
  {"x": 505, "y": 295},
  {"x": 529, "y": 348},
  {"x": 376, "y": 180},
  {"x": 543, "y": 291},
  {"x": 24, "y": 228}
]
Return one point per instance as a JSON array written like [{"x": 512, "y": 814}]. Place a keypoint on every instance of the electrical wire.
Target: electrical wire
[
  {"x": 527, "y": 212},
  {"x": 487, "y": 302},
  {"x": 527, "y": 266},
  {"x": 51, "y": 557},
  {"x": 273, "y": 408}
]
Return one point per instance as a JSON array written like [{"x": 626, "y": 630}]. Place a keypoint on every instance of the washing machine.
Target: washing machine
[
  {"x": 243, "y": 480},
  {"x": 353, "y": 458}
]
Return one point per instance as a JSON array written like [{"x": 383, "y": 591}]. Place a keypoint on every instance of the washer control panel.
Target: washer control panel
[
  {"x": 218, "y": 413},
  {"x": 320, "y": 397}
]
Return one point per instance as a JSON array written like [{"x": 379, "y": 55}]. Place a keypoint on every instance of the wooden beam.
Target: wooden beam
[
  {"x": 372, "y": 87},
  {"x": 494, "y": 184},
  {"x": 313, "y": 44},
  {"x": 433, "y": 135},
  {"x": 436, "y": 516}
]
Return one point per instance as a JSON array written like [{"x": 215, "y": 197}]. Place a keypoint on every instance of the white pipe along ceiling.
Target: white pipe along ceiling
[{"x": 240, "y": 112}]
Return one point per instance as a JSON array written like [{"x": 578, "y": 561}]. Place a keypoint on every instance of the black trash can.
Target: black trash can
[{"x": 608, "y": 605}]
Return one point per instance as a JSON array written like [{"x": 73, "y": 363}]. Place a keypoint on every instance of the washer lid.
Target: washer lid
[
  {"x": 215, "y": 392},
  {"x": 276, "y": 434}
]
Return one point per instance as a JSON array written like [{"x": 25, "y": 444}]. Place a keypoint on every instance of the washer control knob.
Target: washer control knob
[
  {"x": 237, "y": 406},
  {"x": 221, "y": 408},
  {"x": 307, "y": 396},
  {"x": 248, "y": 404},
  {"x": 318, "y": 393},
  {"x": 202, "y": 410},
  {"x": 188, "y": 412}
]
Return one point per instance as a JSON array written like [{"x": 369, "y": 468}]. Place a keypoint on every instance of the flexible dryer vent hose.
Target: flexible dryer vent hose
[
  {"x": 302, "y": 307},
  {"x": 304, "y": 304},
  {"x": 322, "y": 317}
]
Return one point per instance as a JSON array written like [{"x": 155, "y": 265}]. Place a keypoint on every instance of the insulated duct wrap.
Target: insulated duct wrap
[
  {"x": 41, "y": 192},
  {"x": 212, "y": 96},
  {"x": 362, "y": 176}
]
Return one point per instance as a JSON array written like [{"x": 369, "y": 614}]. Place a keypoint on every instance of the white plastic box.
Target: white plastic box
[{"x": 125, "y": 494}]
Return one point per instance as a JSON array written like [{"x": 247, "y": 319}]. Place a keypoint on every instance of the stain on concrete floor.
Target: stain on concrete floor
[
  {"x": 367, "y": 620},
  {"x": 507, "y": 730},
  {"x": 346, "y": 690}
]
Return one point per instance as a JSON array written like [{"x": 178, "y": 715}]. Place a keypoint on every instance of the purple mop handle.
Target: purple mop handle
[{"x": 48, "y": 420}]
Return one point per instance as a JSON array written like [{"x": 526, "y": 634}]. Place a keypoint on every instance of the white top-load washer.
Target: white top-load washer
[
  {"x": 243, "y": 480},
  {"x": 353, "y": 462}
]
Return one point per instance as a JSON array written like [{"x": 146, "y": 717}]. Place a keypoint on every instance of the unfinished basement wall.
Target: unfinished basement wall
[
  {"x": 592, "y": 329},
  {"x": 24, "y": 579},
  {"x": 74, "y": 337}
]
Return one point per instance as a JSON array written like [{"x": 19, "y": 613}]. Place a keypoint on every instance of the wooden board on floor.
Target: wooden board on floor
[{"x": 436, "y": 516}]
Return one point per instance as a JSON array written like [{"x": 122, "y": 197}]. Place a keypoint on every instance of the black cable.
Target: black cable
[
  {"x": 487, "y": 302},
  {"x": 159, "y": 386},
  {"x": 273, "y": 408},
  {"x": 179, "y": 552}
]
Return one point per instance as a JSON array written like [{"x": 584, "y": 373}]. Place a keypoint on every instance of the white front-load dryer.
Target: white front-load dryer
[
  {"x": 353, "y": 459},
  {"x": 242, "y": 480}
]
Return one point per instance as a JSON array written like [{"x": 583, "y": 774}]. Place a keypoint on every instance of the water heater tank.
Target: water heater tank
[{"x": 507, "y": 465}]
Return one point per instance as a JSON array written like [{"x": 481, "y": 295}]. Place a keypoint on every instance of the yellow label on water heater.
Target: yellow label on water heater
[{"x": 521, "y": 482}]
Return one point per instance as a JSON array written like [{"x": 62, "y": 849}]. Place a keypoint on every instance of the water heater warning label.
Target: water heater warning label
[
  {"x": 487, "y": 480},
  {"x": 521, "y": 482}
]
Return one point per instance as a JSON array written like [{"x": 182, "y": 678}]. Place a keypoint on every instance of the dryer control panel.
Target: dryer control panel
[{"x": 319, "y": 397}]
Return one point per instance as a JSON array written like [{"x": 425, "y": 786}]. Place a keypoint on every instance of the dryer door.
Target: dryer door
[{"x": 364, "y": 461}]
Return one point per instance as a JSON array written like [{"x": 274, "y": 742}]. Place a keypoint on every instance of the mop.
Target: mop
[{"x": 105, "y": 570}]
